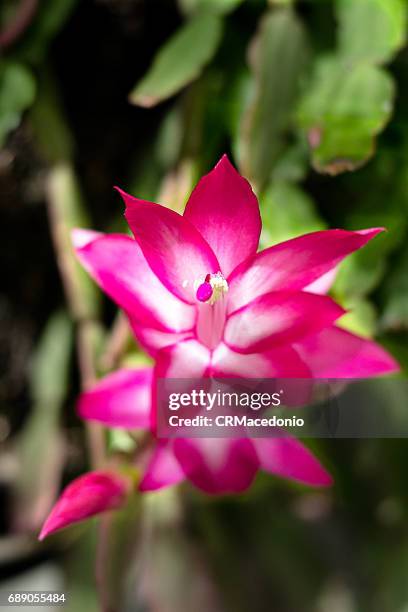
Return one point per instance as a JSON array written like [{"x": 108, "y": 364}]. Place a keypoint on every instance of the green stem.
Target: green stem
[{"x": 63, "y": 203}]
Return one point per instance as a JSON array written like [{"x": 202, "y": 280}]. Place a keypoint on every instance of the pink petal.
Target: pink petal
[
  {"x": 281, "y": 361},
  {"x": 218, "y": 465},
  {"x": 86, "y": 496},
  {"x": 279, "y": 317},
  {"x": 188, "y": 359},
  {"x": 174, "y": 249},
  {"x": 117, "y": 264},
  {"x": 162, "y": 469},
  {"x": 153, "y": 340},
  {"x": 323, "y": 284},
  {"x": 225, "y": 211},
  {"x": 121, "y": 399},
  {"x": 82, "y": 237},
  {"x": 293, "y": 264},
  {"x": 288, "y": 458},
  {"x": 336, "y": 353}
]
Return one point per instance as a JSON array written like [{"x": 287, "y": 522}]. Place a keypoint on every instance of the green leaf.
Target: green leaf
[
  {"x": 361, "y": 272},
  {"x": 371, "y": 30},
  {"x": 361, "y": 318},
  {"x": 50, "y": 17},
  {"x": 395, "y": 316},
  {"x": 69, "y": 211},
  {"x": 343, "y": 110},
  {"x": 397, "y": 344},
  {"x": 221, "y": 7},
  {"x": 293, "y": 164},
  {"x": 179, "y": 61},
  {"x": 17, "y": 92},
  {"x": 119, "y": 440},
  {"x": 79, "y": 566},
  {"x": 286, "y": 213},
  {"x": 278, "y": 56},
  {"x": 50, "y": 129},
  {"x": 49, "y": 366}
]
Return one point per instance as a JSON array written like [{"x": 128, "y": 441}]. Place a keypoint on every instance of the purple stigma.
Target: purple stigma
[{"x": 204, "y": 292}]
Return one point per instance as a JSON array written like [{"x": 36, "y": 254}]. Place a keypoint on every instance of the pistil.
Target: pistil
[{"x": 210, "y": 293}]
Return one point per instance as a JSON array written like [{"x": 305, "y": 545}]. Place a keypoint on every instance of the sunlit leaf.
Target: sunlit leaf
[
  {"x": 371, "y": 30},
  {"x": 179, "y": 61},
  {"x": 277, "y": 58},
  {"x": 17, "y": 91},
  {"x": 360, "y": 319},
  {"x": 343, "y": 110}
]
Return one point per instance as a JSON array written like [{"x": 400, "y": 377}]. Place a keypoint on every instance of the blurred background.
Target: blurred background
[{"x": 310, "y": 100}]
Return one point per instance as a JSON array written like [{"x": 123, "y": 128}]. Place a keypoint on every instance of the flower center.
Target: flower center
[{"x": 210, "y": 289}]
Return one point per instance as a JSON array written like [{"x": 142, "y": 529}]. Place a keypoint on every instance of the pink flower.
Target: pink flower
[{"x": 203, "y": 302}]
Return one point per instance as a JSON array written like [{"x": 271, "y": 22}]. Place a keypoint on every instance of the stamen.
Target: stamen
[{"x": 211, "y": 288}]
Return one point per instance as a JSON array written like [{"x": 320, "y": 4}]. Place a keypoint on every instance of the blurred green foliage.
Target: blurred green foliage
[
  {"x": 180, "y": 61},
  {"x": 383, "y": 33},
  {"x": 17, "y": 91},
  {"x": 280, "y": 41}
]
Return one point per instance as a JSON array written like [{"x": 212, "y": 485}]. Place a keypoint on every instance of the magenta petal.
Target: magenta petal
[
  {"x": 279, "y": 317},
  {"x": 121, "y": 399},
  {"x": 174, "y": 249},
  {"x": 119, "y": 267},
  {"x": 288, "y": 458},
  {"x": 279, "y": 362},
  {"x": 323, "y": 284},
  {"x": 188, "y": 359},
  {"x": 218, "y": 465},
  {"x": 153, "y": 340},
  {"x": 336, "y": 353},
  {"x": 225, "y": 210},
  {"x": 293, "y": 264},
  {"x": 162, "y": 468},
  {"x": 86, "y": 496}
]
